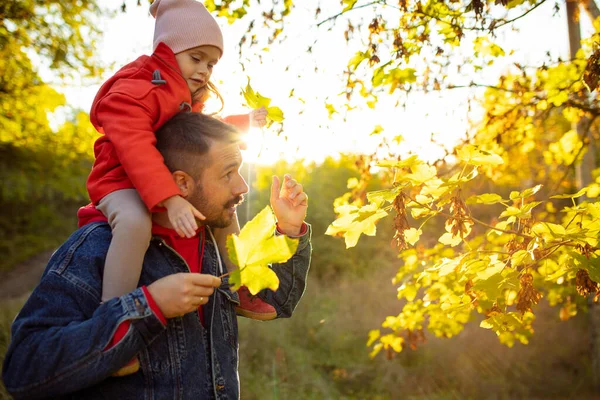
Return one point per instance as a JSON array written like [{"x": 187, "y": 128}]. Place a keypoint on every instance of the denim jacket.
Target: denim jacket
[{"x": 59, "y": 337}]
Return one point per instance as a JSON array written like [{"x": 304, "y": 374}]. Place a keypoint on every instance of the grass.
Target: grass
[
  {"x": 320, "y": 354},
  {"x": 8, "y": 310}
]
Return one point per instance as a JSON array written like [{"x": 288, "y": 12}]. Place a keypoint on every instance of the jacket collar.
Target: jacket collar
[{"x": 166, "y": 55}]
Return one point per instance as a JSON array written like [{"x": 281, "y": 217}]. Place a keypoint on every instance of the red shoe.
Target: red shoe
[
  {"x": 254, "y": 307},
  {"x": 131, "y": 367}
]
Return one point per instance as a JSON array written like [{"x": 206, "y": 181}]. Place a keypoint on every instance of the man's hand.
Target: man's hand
[
  {"x": 181, "y": 293},
  {"x": 182, "y": 216},
  {"x": 289, "y": 204}
]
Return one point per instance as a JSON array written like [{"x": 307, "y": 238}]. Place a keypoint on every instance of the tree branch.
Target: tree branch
[{"x": 333, "y": 17}]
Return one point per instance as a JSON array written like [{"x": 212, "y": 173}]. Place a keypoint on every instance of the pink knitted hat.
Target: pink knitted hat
[{"x": 184, "y": 24}]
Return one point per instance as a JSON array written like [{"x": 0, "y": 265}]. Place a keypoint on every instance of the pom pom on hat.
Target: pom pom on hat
[{"x": 184, "y": 24}]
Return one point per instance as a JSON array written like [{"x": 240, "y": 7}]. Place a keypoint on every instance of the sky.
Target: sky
[{"x": 309, "y": 133}]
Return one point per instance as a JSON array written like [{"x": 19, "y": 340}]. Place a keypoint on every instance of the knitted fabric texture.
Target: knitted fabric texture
[{"x": 185, "y": 24}]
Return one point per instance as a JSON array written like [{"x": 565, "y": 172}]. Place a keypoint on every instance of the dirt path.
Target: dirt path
[{"x": 24, "y": 276}]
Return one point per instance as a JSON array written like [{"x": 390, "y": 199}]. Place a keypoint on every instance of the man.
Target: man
[{"x": 181, "y": 325}]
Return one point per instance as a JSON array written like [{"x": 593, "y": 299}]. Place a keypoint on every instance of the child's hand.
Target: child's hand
[
  {"x": 182, "y": 216},
  {"x": 258, "y": 117}
]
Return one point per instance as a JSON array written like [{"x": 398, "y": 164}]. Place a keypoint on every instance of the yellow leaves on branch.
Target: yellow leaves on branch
[
  {"x": 255, "y": 100},
  {"x": 354, "y": 221},
  {"x": 482, "y": 46},
  {"x": 474, "y": 156}
]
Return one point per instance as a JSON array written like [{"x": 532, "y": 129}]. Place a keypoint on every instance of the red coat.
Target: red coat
[{"x": 127, "y": 110}]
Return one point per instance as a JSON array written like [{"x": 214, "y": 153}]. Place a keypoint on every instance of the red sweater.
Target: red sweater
[{"x": 127, "y": 110}]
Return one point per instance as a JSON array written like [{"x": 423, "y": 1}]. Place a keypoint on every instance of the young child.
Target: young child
[{"x": 129, "y": 179}]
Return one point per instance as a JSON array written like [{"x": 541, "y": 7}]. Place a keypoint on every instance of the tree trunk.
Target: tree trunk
[
  {"x": 584, "y": 170},
  {"x": 591, "y": 8}
]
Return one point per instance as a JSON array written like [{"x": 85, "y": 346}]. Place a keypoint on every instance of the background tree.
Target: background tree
[{"x": 43, "y": 163}]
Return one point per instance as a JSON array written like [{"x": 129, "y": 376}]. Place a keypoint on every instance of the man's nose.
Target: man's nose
[{"x": 241, "y": 187}]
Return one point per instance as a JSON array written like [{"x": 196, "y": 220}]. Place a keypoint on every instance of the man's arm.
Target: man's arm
[
  {"x": 57, "y": 348},
  {"x": 290, "y": 203},
  {"x": 292, "y": 276}
]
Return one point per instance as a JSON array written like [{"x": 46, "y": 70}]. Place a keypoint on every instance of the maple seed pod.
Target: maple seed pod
[
  {"x": 584, "y": 284},
  {"x": 527, "y": 295},
  {"x": 591, "y": 75}
]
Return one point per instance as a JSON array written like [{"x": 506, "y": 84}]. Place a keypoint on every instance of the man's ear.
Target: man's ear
[{"x": 185, "y": 182}]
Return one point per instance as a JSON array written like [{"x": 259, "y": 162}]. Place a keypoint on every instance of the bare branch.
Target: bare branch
[{"x": 333, "y": 17}]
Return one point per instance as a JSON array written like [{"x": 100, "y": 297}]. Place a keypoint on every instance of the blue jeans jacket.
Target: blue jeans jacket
[{"x": 59, "y": 337}]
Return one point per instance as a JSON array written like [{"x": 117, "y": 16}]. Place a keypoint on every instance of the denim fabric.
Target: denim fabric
[{"x": 59, "y": 337}]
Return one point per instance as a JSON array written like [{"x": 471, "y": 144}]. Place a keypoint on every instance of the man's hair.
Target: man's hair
[{"x": 184, "y": 141}]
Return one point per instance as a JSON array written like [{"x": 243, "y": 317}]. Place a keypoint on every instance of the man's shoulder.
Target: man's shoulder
[
  {"x": 79, "y": 261},
  {"x": 89, "y": 241}
]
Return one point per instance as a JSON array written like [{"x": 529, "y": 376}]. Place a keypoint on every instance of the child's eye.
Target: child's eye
[
  {"x": 196, "y": 59},
  {"x": 210, "y": 66}
]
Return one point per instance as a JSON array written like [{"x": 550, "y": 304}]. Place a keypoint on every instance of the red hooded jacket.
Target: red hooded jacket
[{"x": 127, "y": 110}]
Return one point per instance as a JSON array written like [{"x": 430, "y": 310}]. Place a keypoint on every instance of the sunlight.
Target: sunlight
[{"x": 257, "y": 143}]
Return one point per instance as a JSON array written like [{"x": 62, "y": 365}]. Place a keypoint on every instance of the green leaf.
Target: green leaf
[
  {"x": 525, "y": 193},
  {"x": 377, "y": 130},
  {"x": 373, "y": 336},
  {"x": 254, "y": 249},
  {"x": 486, "y": 198},
  {"x": 570, "y": 196},
  {"x": 458, "y": 178},
  {"x": 357, "y": 60},
  {"x": 330, "y": 110},
  {"x": 354, "y": 222},
  {"x": 380, "y": 197},
  {"x": 408, "y": 163},
  {"x": 255, "y": 100},
  {"x": 494, "y": 284},
  {"x": 250, "y": 97},
  {"x": 348, "y": 4},
  {"x": 407, "y": 291},
  {"x": 489, "y": 272},
  {"x": 450, "y": 240},
  {"x": 548, "y": 231},
  {"x": 523, "y": 212},
  {"x": 412, "y": 235},
  {"x": 520, "y": 257},
  {"x": 421, "y": 173},
  {"x": 445, "y": 266},
  {"x": 474, "y": 156},
  {"x": 275, "y": 114}
]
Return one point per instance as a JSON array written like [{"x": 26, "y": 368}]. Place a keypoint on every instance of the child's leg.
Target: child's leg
[{"x": 131, "y": 232}]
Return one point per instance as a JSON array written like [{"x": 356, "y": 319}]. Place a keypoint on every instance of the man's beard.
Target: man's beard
[{"x": 217, "y": 216}]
